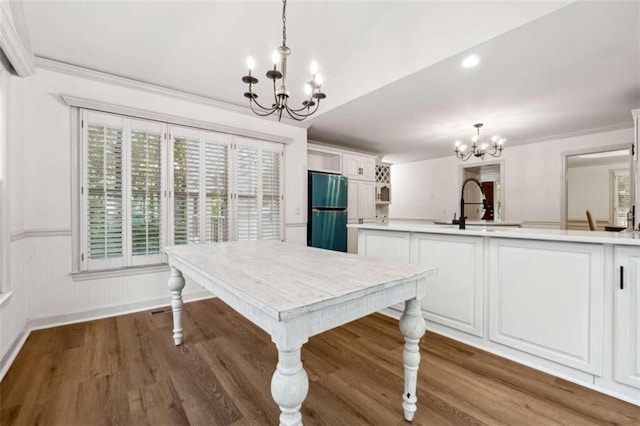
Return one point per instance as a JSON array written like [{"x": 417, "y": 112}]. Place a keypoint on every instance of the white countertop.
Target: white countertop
[
  {"x": 481, "y": 223},
  {"x": 594, "y": 237}
]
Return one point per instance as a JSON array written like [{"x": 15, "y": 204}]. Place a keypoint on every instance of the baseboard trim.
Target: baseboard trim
[{"x": 32, "y": 324}]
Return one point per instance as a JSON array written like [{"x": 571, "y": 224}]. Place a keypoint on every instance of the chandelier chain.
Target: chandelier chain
[{"x": 284, "y": 22}]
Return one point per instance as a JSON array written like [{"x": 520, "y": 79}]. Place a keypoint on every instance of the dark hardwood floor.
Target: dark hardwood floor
[{"x": 126, "y": 370}]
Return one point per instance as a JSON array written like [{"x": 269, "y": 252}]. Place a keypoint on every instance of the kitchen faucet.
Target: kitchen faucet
[{"x": 484, "y": 203}]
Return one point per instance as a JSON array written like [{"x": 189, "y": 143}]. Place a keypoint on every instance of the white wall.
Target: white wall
[
  {"x": 430, "y": 189},
  {"x": 13, "y": 311},
  {"x": 41, "y": 200},
  {"x": 589, "y": 187}
]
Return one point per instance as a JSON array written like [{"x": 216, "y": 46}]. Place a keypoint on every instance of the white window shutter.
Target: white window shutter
[
  {"x": 247, "y": 192},
  {"x": 103, "y": 191},
  {"x": 216, "y": 183},
  {"x": 145, "y": 195},
  {"x": 186, "y": 190},
  {"x": 271, "y": 195}
]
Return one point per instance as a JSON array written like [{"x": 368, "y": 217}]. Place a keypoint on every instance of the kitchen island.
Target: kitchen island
[{"x": 564, "y": 302}]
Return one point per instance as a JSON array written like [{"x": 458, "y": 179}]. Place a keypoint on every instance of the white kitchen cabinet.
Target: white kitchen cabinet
[
  {"x": 455, "y": 295},
  {"x": 360, "y": 167},
  {"x": 361, "y": 204},
  {"x": 361, "y": 208},
  {"x": 320, "y": 159},
  {"x": 546, "y": 298},
  {"x": 626, "y": 327},
  {"x": 383, "y": 245}
]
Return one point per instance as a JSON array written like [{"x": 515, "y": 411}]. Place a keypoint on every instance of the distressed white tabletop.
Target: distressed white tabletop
[{"x": 287, "y": 280}]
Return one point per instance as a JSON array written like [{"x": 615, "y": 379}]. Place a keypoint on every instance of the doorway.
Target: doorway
[
  {"x": 491, "y": 177},
  {"x": 601, "y": 181}
]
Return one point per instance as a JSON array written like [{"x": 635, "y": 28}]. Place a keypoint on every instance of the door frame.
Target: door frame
[{"x": 564, "y": 183}]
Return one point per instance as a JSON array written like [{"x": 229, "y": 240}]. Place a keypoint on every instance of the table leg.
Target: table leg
[
  {"x": 289, "y": 386},
  {"x": 176, "y": 284},
  {"x": 412, "y": 327}
]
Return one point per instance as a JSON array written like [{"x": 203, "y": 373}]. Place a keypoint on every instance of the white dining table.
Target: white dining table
[{"x": 294, "y": 292}]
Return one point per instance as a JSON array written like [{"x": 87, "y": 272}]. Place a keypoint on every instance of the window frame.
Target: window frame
[{"x": 78, "y": 270}]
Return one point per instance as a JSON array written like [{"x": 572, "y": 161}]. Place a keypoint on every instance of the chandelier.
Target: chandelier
[
  {"x": 280, "y": 91},
  {"x": 478, "y": 149}
]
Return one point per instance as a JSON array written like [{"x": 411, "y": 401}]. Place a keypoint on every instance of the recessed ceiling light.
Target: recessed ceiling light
[{"x": 471, "y": 61}]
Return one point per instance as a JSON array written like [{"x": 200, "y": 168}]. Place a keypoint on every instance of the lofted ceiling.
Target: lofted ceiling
[{"x": 392, "y": 68}]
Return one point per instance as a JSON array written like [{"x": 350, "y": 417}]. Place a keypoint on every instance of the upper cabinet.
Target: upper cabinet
[
  {"x": 324, "y": 160},
  {"x": 359, "y": 167}
]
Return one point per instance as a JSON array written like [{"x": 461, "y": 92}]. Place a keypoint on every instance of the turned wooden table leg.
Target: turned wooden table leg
[
  {"x": 412, "y": 327},
  {"x": 289, "y": 386},
  {"x": 176, "y": 284}
]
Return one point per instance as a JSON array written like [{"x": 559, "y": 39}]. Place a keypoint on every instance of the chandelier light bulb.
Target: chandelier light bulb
[
  {"x": 463, "y": 148},
  {"x": 474, "y": 138},
  {"x": 318, "y": 79},
  {"x": 251, "y": 63},
  {"x": 458, "y": 143},
  {"x": 307, "y": 89},
  {"x": 314, "y": 68},
  {"x": 275, "y": 57},
  {"x": 495, "y": 138},
  {"x": 483, "y": 146},
  {"x": 501, "y": 141}
]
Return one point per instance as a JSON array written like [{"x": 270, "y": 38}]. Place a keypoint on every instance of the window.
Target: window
[
  {"x": 147, "y": 184},
  {"x": 621, "y": 196}
]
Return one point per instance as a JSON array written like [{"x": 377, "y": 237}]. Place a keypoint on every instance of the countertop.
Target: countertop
[
  {"x": 593, "y": 237},
  {"x": 482, "y": 223}
]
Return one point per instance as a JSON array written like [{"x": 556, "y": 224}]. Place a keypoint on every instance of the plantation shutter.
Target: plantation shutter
[
  {"x": 216, "y": 190},
  {"x": 103, "y": 201},
  {"x": 146, "y": 192},
  {"x": 186, "y": 188},
  {"x": 271, "y": 195},
  {"x": 247, "y": 192}
]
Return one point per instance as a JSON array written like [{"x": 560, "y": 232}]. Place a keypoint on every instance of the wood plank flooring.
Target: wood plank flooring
[{"x": 125, "y": 370}]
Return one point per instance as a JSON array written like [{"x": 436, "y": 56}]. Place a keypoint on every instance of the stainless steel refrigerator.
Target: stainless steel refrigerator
[{"x": 327, "y": 211}]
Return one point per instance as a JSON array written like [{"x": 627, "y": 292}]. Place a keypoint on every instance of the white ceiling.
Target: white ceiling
[{"x": 391, "y": 68}]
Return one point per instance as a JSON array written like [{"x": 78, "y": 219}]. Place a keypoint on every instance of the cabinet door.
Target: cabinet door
[
  {"x": 366, "y": 201},
  {"x": 626, "y": 333},
  {"x": 350, "y": 166},
  {"x": 368, "y": 169},
  {"x": 352, "y": 201},
  {"x": 454, "y": 296},
  {"x": 546, "y": 299}
]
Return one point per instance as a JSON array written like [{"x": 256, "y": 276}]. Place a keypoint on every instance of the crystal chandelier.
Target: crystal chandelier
[
  {"x": 280, "y": 91},
  {"x": 478, "y": 149}
]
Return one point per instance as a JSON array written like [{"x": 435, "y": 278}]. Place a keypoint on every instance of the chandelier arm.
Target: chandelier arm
[
  {"x": 293, "y": 112},
  {"x": 275, "y": 97},
  {"x": 265, "y": 111},
  {"x": 252, "y": 100},
  {"x": 305, "y": 107},
  {"x": 295, "y": 116},
  {"x": 261, "y": 107}
]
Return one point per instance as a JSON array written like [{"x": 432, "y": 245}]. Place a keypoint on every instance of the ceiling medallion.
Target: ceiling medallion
[
  {"x": 478, "y": 149},
  {"x": 280, "y": 91}
]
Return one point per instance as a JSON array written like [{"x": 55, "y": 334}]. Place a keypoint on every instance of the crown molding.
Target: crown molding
[
  {"x": 567, "y": 135},
  {"x": 11, "y": 44},
  {"x": 129, "y": 83},
  {"x": 74, "y": 101}
]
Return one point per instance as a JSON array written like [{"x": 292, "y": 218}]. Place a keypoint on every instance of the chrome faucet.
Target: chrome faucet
[{"x": 484, "y": 203}]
